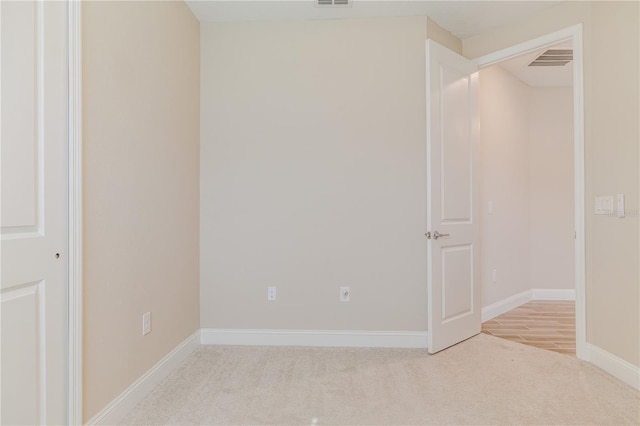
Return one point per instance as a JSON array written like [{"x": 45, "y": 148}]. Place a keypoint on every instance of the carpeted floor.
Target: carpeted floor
[{"x": 484, "y": 380}]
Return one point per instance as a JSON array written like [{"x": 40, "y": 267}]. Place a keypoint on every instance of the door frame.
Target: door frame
[
  {"x": 74, "y": 258},
  {"x": 573, "y": 33}
]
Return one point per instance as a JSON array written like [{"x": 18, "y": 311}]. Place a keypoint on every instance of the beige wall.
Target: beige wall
[
  {"x": 613, "y": 282},
  {"x": 504, "y": 152},
  {"x": 141, "y": 186},
  {"x": 551, "y": 188},
  {"x": 611, "y": 51},
  {"x": 313, "y": 174},
  {"x": 438, "y": 34}
]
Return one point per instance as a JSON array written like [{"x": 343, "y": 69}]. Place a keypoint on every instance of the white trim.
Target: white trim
[
  {"x": 511, "y": 302},
  {"x": 579, "y": 192},
  {"x": 553, "y": 294},
  {"x": 140, "y": 389},
  {"x": 74, "y": 394},
  {"x": 527, "y": 46},
  {"x": 573, "y": 33},
  {"x": 346, "y": 338},
  {"x": 505, "y": 305},
  {"x": 617, "y": 367}
]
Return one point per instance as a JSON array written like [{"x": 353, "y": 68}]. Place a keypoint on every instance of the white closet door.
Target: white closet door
[{"x": 33, "y": 296}]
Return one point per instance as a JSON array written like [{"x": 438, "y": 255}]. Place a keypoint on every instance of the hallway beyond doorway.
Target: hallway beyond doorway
[{"x": 545, "y": 324}]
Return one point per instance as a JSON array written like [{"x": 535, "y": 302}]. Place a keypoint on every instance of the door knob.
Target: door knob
[{"x": 437, "y": 235}]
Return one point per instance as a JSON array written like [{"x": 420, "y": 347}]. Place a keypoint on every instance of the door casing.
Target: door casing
[{"x": 74, "y": 265}]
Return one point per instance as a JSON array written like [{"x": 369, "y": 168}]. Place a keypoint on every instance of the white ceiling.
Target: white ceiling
[
  {"x": 462, "y": 18},
  {"x": 540, "y": 76}
]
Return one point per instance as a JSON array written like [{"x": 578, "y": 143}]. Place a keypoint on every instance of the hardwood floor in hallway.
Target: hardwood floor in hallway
[{"x": 545, "y": 324}]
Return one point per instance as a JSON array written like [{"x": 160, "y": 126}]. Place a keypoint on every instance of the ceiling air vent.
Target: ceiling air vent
[
  {"x": 553, "y": 58},
  {"x": 333, "y": 3}
]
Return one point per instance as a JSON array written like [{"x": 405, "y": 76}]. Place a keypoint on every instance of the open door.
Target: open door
[{"x": 452, "y": 210}]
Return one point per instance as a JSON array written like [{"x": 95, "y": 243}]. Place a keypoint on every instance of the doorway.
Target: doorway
[{"x": 545, "y": 222}]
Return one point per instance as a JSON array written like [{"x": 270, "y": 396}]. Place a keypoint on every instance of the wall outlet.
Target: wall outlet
[
  {"x": 271, "y": 294},
  {"x": 345, "y": 294},
  {"x": 494, "y": 275},
  {"x": 146, "y": 323}
]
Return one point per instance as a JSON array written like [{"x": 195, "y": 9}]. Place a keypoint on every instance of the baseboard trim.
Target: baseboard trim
[
  {"x": 140, "y": 389},
  {"x": 505, "y": 305},
  {"x": 617, "y": 367},
  {"x": 553, "y": 294},
  {"x": 334, "y": 338}
]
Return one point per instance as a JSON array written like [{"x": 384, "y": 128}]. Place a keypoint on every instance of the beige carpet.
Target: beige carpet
[{"x": 484, "y": 380}]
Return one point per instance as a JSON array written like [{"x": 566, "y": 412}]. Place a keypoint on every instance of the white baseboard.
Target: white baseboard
[
  {"x": 127, "y": 400},
  {"x": 617, "y": 367},
  {"x": 553, "y": 294},
  {"x": 505, "y": 305},
  {"x": 372, "y": 339}
]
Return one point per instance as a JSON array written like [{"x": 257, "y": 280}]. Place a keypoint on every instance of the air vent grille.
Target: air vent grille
[
  {"x": 553, "y": 58},
  {"x": 333, "y": 3}
]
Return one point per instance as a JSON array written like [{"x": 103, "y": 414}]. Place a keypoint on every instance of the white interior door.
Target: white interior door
[
  {"x": 33, "y": 291},
  {"x": 452, "y": 213}
]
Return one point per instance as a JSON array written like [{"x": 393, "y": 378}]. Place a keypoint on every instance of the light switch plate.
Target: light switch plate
[
  {"x": 620, "y": 205},
  {"x": 604, "y": 204}
]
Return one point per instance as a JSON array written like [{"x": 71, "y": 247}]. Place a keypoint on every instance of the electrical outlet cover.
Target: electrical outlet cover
[
  {"x": 345, "y": 294},
  {"x": 271, "y": 294}
]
